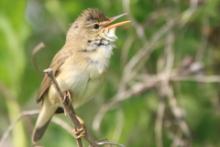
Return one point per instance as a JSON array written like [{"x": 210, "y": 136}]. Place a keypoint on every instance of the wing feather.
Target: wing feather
[{"x": 56, "y": 63}]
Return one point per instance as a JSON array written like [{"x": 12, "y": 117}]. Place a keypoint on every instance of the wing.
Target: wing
[{"x": 57, "y": 61}]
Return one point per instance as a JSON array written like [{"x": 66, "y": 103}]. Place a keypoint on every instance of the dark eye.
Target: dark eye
[{"x": 96, "y": 26}]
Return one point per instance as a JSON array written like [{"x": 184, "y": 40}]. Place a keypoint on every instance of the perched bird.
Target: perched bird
[{"x": 83, "y": 58}]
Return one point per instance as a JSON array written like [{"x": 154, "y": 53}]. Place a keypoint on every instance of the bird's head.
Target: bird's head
[{"x": 93, "y": 28}]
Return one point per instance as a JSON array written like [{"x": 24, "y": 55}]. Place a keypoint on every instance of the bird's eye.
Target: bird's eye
[{"x": 96, "y": 26}]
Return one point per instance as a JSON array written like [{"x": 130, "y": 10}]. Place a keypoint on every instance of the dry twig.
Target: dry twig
[
  {"x": 69, "y": 110},
  {"x": 10, "y": 128},
  {"x": 35, "y": 50}
]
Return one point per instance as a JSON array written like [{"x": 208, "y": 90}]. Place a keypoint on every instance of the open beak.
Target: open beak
[{"x": 107, "y": 24}]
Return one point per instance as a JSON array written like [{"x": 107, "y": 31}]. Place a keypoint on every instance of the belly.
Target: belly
[{"x": 73, "y": 81}]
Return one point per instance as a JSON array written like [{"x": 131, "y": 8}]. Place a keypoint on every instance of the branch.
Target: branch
[
  {"x": 10, "y": 128},
  {"x": 159, "y": 122},
  {"x": 138, "y": 27},
  {"x": 199, "y": 78},
  {"x": 69, "y": 110},
  {"x": 35, "y": 50},
  {"x": 66, "y": 104},
  {"x": 136, "y": 89},
  {"x": 55, "y": 120}
]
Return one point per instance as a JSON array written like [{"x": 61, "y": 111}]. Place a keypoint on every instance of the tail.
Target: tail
[{"x": 43, "y": 120}]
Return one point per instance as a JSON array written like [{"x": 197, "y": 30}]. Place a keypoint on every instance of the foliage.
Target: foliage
[{"x": 187, "y": 29}]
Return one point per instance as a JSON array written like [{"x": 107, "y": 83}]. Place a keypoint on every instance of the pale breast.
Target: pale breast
[
  {"x": 77, "y": 74},
  {"x": 99, "y": 60},
  {"x": 70, "y": 79}
]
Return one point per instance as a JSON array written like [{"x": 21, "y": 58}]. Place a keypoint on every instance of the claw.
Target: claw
[{"x": 80, "y": 131}]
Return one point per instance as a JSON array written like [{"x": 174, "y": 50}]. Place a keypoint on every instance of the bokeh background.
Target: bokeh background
[{"x": 161, "y": 89}]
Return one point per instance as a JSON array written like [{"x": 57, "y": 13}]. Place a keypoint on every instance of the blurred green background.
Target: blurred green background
[{"x": 191, "y": 26}]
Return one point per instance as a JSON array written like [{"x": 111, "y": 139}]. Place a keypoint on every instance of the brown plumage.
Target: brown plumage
[
  {"x": 57, "y": 61},
  {"x": 89, "y": 15},
  {"x": 83, "y": 58},
  {"x": 93, "y": 15}
]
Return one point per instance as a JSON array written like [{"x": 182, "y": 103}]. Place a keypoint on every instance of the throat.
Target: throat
[
  {"x": 99, "y": 48},
  {"x": 99, "y": 59}
]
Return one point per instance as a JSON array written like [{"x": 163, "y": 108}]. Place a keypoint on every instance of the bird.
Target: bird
[{"x": 83, "y": 58}]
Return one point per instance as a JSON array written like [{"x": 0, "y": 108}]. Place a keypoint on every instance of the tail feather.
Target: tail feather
[
  {"x": 46, "y": 113},
  {"x": 39, "y": 132}
]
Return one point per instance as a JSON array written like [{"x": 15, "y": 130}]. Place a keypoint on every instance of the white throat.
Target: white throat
[{"x": 101, "y": 53}]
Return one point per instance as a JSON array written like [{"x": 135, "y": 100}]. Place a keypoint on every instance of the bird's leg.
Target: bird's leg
[
  {"x": 67, "y": 100},
  {"x": 80, "y": 131}
]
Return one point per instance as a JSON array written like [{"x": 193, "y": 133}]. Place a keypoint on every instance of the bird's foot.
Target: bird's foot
[
  {"x": 67, "y": 97},
  {"x": 80, "y": 131}
]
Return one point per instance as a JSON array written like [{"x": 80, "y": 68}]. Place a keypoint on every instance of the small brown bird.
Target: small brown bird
[{"x": 83, "y": 58}]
